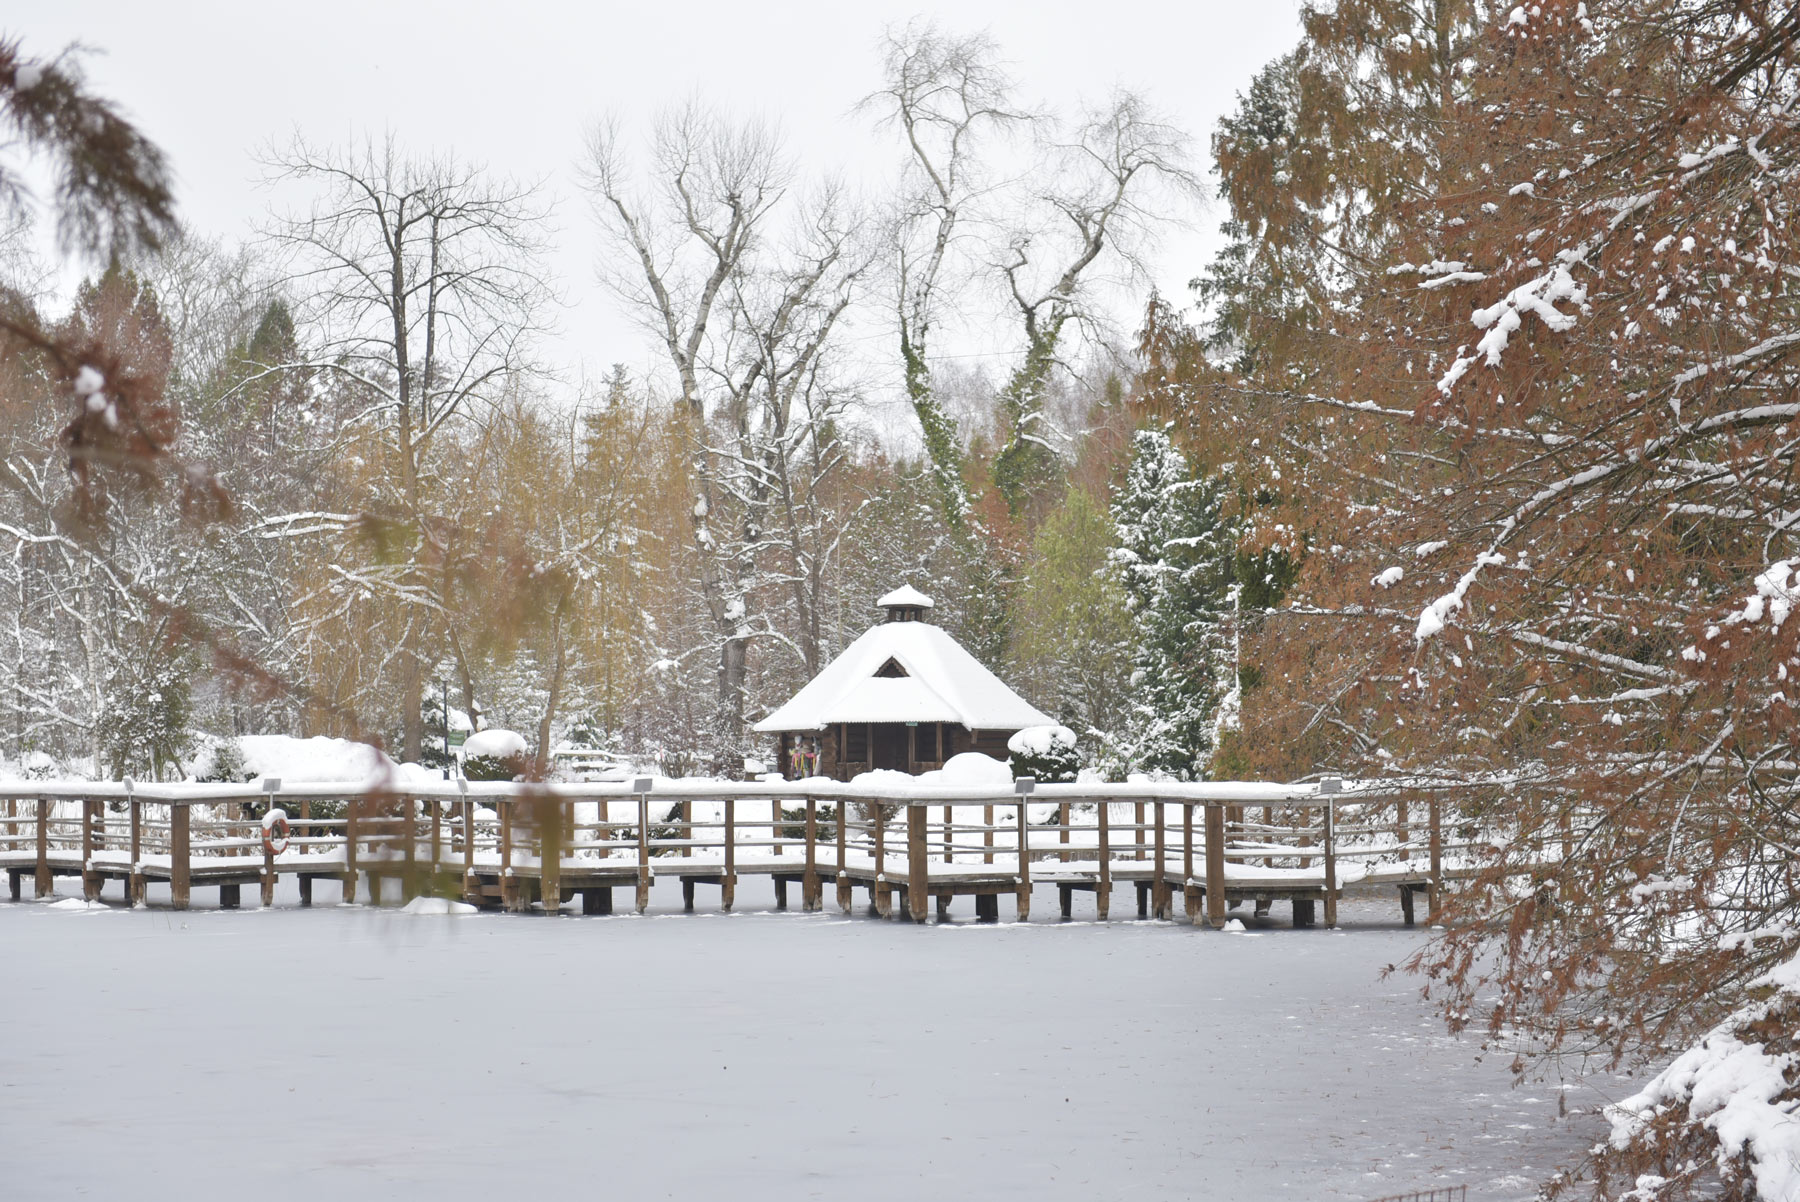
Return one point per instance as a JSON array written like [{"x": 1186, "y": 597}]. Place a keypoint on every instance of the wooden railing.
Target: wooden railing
[{"x": 1213, "y": 843}]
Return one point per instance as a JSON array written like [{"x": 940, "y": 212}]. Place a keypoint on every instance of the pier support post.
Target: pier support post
[
  {"x": 643, "y": 831},
  {"x": 43, "y": 885},
  {"x": 1024, "y": 887},
  {"x": 179, "y": 878},
  {"x": 1159, "y": 883},
  {"x": 1434, "y": 892},
  {"x": 918, "y": 863},
  {"x": 1215, "y": 863},
  {"x": 810, "y": 888},
  {"x": 1331, "y": 888},
  {"x": 1103, "y": 889},
  {"x": 134, "y": 878},
  {"x": 728, "y": 882},
  {"x": 90, "y": 817}
]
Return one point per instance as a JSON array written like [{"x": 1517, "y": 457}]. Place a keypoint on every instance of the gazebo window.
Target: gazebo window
[
  {"x": 891, "y": 669},
  {"x": 856, "y": 743}
]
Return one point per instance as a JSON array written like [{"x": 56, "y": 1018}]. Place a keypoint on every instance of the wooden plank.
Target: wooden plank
[
  {"x": 918, "y": 862},
  {"x": 1215, "y": 863},
  {"x": 180, "y": 879}
]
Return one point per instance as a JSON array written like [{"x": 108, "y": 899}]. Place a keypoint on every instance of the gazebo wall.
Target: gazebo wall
[{"x": 846, "y": 750}]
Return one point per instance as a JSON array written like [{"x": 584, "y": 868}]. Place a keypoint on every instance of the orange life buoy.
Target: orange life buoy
[{"x": 275, "y": 833}]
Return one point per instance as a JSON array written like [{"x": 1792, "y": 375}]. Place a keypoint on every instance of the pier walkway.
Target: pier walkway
[{"x": 1209, "y": 847}]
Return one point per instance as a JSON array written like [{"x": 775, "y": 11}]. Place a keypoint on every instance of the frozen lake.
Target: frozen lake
[{"x": 303, "y": 1054}]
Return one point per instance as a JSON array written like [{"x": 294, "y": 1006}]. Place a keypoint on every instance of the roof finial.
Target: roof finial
[{"x": 905, "y": 604}]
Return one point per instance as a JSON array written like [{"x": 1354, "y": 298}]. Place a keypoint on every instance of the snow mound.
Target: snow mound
[
  {"x": 76, "y": 903},
  {"x": 315, "y": 759},
  {"x": 971, "y": 768},
  {"x": 1741, "y": 1091},
  {"x": 497, "y": 743},
  {"x": 1233, "y": 927},
  {"x": 1041, "y": 740},
  {"x": 436, "y": 905}
]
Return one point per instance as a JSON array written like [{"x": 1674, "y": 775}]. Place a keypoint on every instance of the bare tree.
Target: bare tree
[
  {"x": 1095, "y": 200},
  {"x": 945, "y": 93},
  {"x": 746, "y": 320},
  {"x": 426, "y": 292}
]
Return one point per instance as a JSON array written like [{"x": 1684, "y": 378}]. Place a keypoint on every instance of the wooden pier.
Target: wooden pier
[{"x": 520, "y": 847}]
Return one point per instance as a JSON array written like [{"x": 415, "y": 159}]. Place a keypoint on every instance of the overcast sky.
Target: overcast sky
[{"x": 513, "y": 85}]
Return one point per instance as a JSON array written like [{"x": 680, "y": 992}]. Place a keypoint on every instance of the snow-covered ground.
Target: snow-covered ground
[{"x": 353, "y": 1052}]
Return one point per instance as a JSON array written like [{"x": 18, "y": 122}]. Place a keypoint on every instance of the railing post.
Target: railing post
[
  {"x": 352, "y": 808},
  {"x": 1190, "y": 895},
  {"x": 918, "y": 862},
  {"x": 987, "y": 836},
  {"x": 1434, "y": 891},
  {"x": 134, "y": 879},
  {"x": 641, "y": 786},
  {"x": 509, "y": 884},
  {"x": 1159, "y": 884},
  {"x": 949, "y": 834},
  {"x": 550, "y": 829},
  {"x": 1103, "y": 890},
  {"x": 843, "y": 876},
  {"x": 43, "y": 885},
  {"x": 728, "y": 883},
  {"x": 268, "y": 878},
  {"x": 884, "y": 899},
  {"x": 179, "y": 878},
  {"x": 1215, "y": 863},
  {"x": 1331, "y": 886},
  {"x": 90, "y": 880},
  {"x": 1401, "y": 829},
  {"x": 1023, "y": 788},
  {"x": 809, "y": 882},
  {"x": 468, "y": 831},
  {"x": 1062, "y": 821}
]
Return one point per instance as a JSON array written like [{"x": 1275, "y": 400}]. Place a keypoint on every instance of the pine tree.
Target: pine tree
[{"x": 1174, "y": 563}]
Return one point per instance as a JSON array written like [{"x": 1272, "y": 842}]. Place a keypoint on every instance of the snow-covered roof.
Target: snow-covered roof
[
  {"x": 942, "y": 683},
  {"x": 905, "y": 595}
]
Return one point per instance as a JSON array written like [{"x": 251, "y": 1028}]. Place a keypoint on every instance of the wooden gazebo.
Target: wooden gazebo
[{"x": 905, "y": 696}]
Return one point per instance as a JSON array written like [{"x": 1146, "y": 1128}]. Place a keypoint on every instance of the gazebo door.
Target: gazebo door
[{"x": 891, "y": 747}]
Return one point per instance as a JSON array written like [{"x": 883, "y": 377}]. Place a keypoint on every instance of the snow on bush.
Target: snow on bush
[
  {"x": 1046, "y": 753},
  {"x": 494, "y": 755},
  {"x": 1737, "y": 1089},
  {"x": 315, "y": 759}
]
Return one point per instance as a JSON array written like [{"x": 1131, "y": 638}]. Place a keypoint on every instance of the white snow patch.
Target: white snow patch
[
  {"x": 1040, "y": 740},
  {"x": 1389, "y": 577},
  {"x": 496, "y": 743},
  {"x": 436, "y": 905}
]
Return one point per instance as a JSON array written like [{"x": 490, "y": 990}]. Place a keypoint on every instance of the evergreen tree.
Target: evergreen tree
[{"x": 1174, "y": 563}]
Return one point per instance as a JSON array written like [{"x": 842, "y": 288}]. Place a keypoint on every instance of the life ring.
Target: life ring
[{"x": 275, "y": 832}]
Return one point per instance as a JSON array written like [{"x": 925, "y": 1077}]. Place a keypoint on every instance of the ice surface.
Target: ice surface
[{"x": 743, "y": 1057}]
